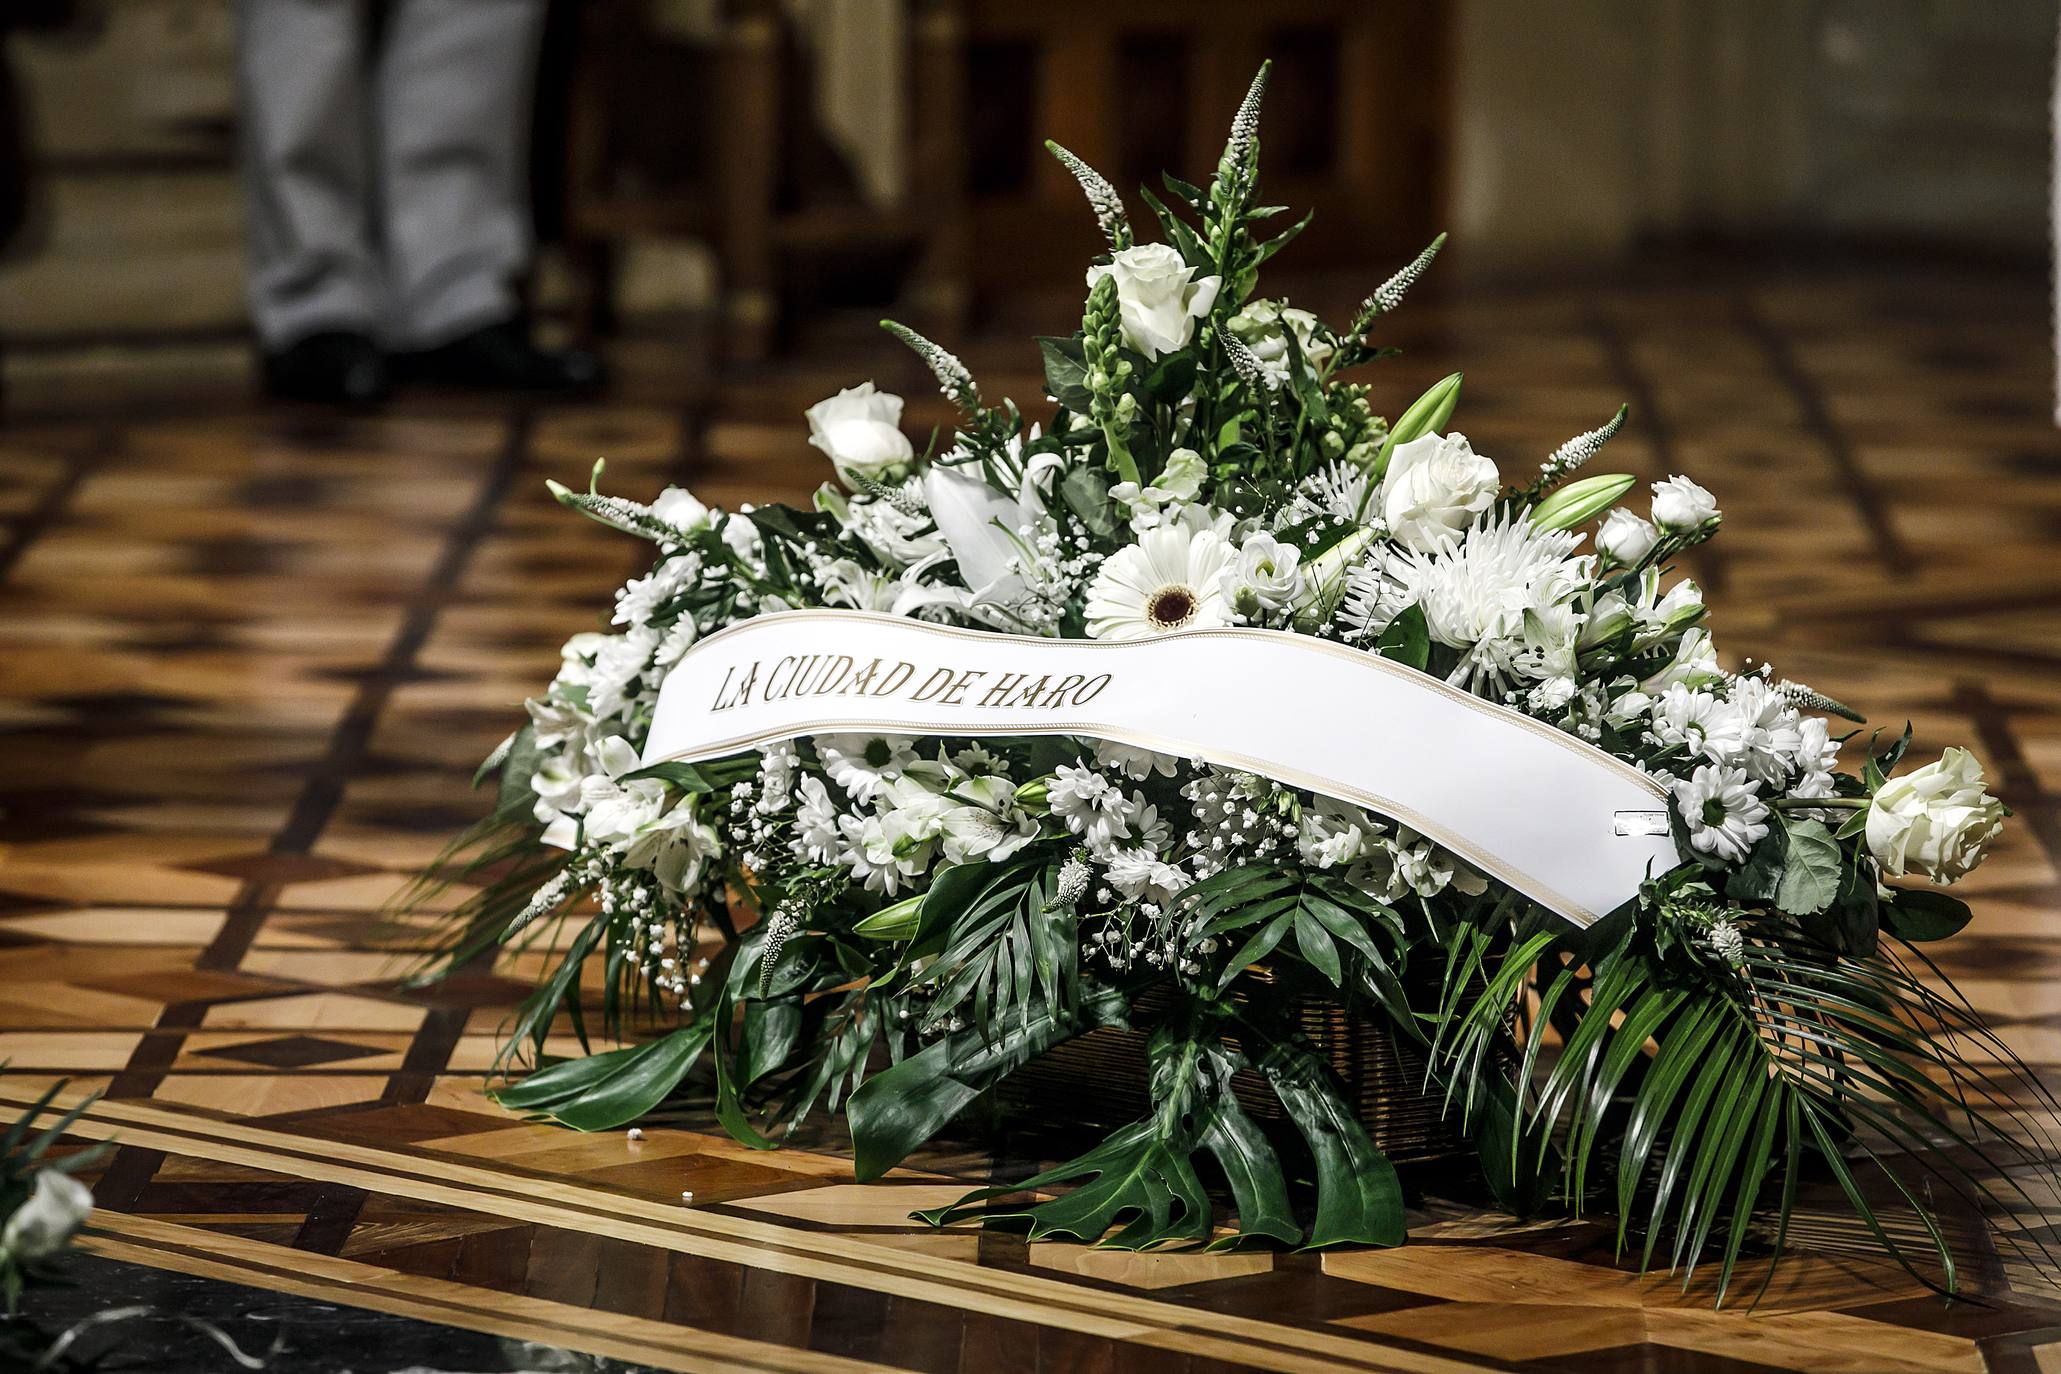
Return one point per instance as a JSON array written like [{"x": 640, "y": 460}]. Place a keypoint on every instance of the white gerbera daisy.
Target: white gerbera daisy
[
  {"x": 1169, "y": 580},
  {"x": 1723, "y": 811}
]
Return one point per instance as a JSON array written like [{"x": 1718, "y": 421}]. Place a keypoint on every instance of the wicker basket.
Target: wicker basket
[{"x": 1100, "y": 1080}]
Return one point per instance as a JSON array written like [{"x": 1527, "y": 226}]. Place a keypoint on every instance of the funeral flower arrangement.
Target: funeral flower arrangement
[{"x": 887, "y": 926}]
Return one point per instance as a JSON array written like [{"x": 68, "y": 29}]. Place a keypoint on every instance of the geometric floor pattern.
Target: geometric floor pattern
[{"x": 248, "y": 659}]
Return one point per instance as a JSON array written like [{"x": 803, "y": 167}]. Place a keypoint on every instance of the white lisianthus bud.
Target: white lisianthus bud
[
  {"x": 678, "y": 507},
  {"x": 56, "y": 1207},
  {"x": 1266, "y": 576},
  {"x": 858, "y": 429},
  {"x": 1679, "y": 505},
  {"x": 1158, "y": 298},
  {"x": 1436, "y": 486},
  {"x": 1625, "y": 538},
  {"x": 1936, "y": 821}
]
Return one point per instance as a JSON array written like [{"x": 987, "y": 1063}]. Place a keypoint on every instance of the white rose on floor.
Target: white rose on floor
[
  {"x": 1625, "y": 538},
  {"x": 858, "y": 429},
  {"x": 1435, "y": 488},
  {"x": 1679, "y": 505},
  {"x": 1935, "y": 821},
  {"x": 56, "y": 1207},
  {"x": 1156, "y": 298}
]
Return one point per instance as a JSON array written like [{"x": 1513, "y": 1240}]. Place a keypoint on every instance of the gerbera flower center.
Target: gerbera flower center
[{"x": 1171, "y": 607}]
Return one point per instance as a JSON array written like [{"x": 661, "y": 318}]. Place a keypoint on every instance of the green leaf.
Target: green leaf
[
  {"x": 1359, "y": 1198},
  {"x": 686, "y": 777},
  {"x": 1407, "y": 639},
  {"x": 1317, "y": 950},
  {"x": 603, "y": 1091},
  {"x": 1086, "y": 493},
  {"x": 1810, "y": 871},
  {"x": 1920, "y": 914},
  {"x": 906, "y": 1104},
  {"x": 1066, "y": 373}
]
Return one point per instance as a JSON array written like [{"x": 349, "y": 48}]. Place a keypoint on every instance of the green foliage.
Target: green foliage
[{"x": 1693, "y": 1103}]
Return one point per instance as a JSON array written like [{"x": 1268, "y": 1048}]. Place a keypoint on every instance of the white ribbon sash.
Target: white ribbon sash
[{"x": 1563, "y": 822}]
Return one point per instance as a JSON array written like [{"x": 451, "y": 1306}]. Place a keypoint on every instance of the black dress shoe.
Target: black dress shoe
[
  {"x": 501, "y": 357},
  {"x": 334, "y": 367}
]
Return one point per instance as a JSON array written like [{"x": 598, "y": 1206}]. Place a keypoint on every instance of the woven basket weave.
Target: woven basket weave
[{"x": 1100, "y": 1080}]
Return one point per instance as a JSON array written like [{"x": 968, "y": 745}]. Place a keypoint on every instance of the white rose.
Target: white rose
[
  {"x": 1435, "y": 488},
  {"x": 858, "y": 429},
  {"x": 1265, "y": 577},
  {"x": 56, "y": 1207},
  {"x": 679, "y": 508},
  {"x": 1156, "y": 300},
  {"x": 1625, "y": 538},
  {"x": 1935, "y": 821},
  {"x": 1679, "y": 505}
]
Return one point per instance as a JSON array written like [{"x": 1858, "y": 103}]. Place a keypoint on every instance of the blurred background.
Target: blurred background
[{"x": 726, "y": 182}]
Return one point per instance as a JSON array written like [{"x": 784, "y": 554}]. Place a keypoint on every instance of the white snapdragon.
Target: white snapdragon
[
  {"x": 859, "y": 430},
  {"x": 1159, "y": 298},
  {"x": 1679, "y": 505},
  {"x": 1436, "y": 486},
  {"x": 1936, "y": 821},
  {"x": 1263, "y": 327},
  {"x": 1166, "y": 496}
]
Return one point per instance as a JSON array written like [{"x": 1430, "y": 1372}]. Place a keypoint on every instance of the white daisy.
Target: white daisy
[
  {"x": 1723, "y": 811},
  {"x": 1169, "y": 580},
  {"x": 1134, "y": 763},
  {"x": 860, "y": 763}
]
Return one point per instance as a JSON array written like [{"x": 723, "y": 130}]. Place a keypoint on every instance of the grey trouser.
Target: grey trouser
[{"x": 387, "y": 189}]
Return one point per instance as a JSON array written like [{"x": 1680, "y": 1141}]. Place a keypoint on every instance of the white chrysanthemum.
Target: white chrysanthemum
[
  {"x": 1090, "y": 804},
  {"x": 1375, "y": 594},
  {"x": 1767, "y": 739},
  {"x": 1817, "y": 755},
  {"x": 817, "y": 837},
  {"x": 1169, "y": 580},
  {"x": 1723, "y": 811},
  {"x": 1475, "y": 592},
  {"x": 1140, "y": 875},
  {"x": 860, "y": 763},
  {"x": 1338, "y": 488},
  {"x": 1685, "y": 718}
]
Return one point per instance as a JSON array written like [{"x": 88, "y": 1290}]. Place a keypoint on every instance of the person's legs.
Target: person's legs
[
  {"x": 302, "y": 66},
  {"x": 455, "y": 79}
]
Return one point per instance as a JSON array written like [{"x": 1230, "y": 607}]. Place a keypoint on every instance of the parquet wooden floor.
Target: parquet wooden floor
[{"x": 250, "y": 657}]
